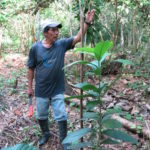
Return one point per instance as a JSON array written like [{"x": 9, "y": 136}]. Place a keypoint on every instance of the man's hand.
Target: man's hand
[
  {"x": 30, "y": 92},
  {"x": 89, "y": 16},
  {"x": 88, "y": 20}
]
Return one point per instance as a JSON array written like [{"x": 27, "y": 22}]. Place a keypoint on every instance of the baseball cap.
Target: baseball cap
[{"x": 50, "y": 23}]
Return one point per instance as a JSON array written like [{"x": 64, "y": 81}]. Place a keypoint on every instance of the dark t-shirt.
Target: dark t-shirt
[{"x": 49, "y": 75}]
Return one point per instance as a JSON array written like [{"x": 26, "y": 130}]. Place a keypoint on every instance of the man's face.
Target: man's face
[{"x": 52, "y": 34}]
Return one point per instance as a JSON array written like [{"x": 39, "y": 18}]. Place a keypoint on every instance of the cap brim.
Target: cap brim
[{"x": 59, "y": 25}]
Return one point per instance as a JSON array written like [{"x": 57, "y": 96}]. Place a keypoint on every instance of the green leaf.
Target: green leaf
[
  {"x": 124, "y": 61},
  {"x": 114, "y": 111},
  {"x": 74, "y": 136},
  {"x": 101, "y": 48},
  {"x": 80, "y": 145},
  {"x": 104, "y": 57},
  {"x": 21, "y": 146},
  {"x": 111, "y": 123},
  {"x": 91, "y": 115},
  {"x": 120, "y": 135},
  {"x": 93, "y": 64},
  {"x": 92, "y": 93},
  {"x": 77, "y": 97},
  {"x": 86, "y": 86},
  {"x": 91, "y": 104},
  {"x": 76, "y": 62},
  {"x": 86, "y": 50},
  {"x": 110, "y": 141},
  {"x": 103, "y": 86}
]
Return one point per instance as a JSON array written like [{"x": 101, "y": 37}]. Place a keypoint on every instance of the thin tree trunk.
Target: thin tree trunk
[
  {"x": 39, "y": 29},
  {"x": 32, "y": 21},
  {"x": 70, "y": 17},
  {"x": 140, "y": 39},
  {"x": 129, "y": 38},
  {"x": 81, "y": 70},
  {"x": 134, "y": 30},
  {"x": 101, "y": 36},
  {"x": 115, "y": 34},
  {"x": 1, "y": 41},
  {"x": 122, "y": 35}
]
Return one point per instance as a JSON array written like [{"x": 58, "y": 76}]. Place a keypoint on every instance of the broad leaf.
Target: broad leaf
[
  {"x": 92, "y": 93},
  {"x": 124, "y": 61},
  {"x": 111, "y": 123},
  {"x": 76, "y": 62},
  {"x": 86, "y": 86},
  {"x": 21, "y": 146},
  {"x": 113, "y": 111},
  {"x": 80, "y": 145},
  {"x": 101, "y": 48},
  {"x": 86, "y": 50},
  {"x": 95, "y": 63},
  {"x": 103, "y": 86},
  {"x": 95, "y": 68},
  {"x": 91, "y": 104},
  {"x": 104, "y": 57},
  {"x": 97, "y": 72},
  {"x": 74, "y": 136},
  {"x": 77, "y": 97},
  {"x": 106, "y": 117},
  {"x": 91, "y": 115},
  {"x": 109, "y": 141},
  {"x": 120, "y": 135}
]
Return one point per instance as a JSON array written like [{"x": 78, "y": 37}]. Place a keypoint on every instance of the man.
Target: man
[{"x": 46, "y": 60}]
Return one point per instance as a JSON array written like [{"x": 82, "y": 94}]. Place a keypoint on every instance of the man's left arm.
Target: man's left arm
[{"x": 89, "y": 18}]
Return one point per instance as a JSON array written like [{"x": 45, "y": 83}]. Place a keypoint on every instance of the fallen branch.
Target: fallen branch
[{"x": 129, "y": 126}]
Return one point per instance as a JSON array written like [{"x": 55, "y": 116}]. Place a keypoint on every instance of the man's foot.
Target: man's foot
[{"x": 43, "y": 140}]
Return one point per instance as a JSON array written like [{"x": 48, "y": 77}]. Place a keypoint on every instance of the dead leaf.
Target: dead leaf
[{"x": 17, "y": 112}]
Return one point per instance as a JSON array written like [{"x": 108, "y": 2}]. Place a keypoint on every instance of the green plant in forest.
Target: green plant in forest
[
  {"x": 21, "y": 147},
  {"x": 139, "y": 86},
  {"x": 102, "y": 123}
]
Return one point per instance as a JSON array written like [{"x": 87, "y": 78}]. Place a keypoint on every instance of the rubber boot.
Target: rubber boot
[
  {"x": 45, "y": 132},
  {"x": 62, "y": 125}
]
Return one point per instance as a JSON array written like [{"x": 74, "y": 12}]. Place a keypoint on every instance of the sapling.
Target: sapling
[{"x": 104, "y": 130}]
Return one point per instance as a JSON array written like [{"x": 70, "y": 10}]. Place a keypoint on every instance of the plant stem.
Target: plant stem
[{"x": 100, "y": 113}]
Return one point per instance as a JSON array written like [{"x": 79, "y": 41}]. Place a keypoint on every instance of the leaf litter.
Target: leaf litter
[{"x": 17, "y": 127}]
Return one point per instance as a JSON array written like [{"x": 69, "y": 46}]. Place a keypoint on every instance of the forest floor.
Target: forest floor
[{"x": 130, "y": 93}]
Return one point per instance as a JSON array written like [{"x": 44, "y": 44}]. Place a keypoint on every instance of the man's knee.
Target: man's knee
[
  {"x": 42, "y": 108},
  {"x": 58, "y": 106}
]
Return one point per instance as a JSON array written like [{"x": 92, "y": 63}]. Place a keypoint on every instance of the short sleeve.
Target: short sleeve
[
  {"x": 31, "y": 63},
  {"x": 68, "y": 43}
]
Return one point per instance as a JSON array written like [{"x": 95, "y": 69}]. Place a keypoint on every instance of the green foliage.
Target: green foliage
[
  {"x": 120, "y": 135},
  {"x": 80, "y": 145},
  {"x": 21, "y": 146},
  {"x": 139, "y": 86},
  {"x": 75, "y": 136},
  {"x": 103, "y": 123}
]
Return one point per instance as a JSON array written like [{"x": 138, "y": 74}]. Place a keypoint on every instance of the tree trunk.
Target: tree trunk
[
  {"x": 129, "y": 38},
  {"x": 122, "y": 34},
  {"x": 140, "y": 38},
  {"x": 70, "y": 18},
  {"x": 134, "y": 30},
  {"x": 1, "y": 41},
  {"x": 115, "y": 34},
  {"x": 39, "y": 29}
]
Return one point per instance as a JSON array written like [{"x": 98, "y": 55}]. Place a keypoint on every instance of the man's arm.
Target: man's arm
[
  {"x": 89, "y": 19},
  {"x": 30, "y": 74}
]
